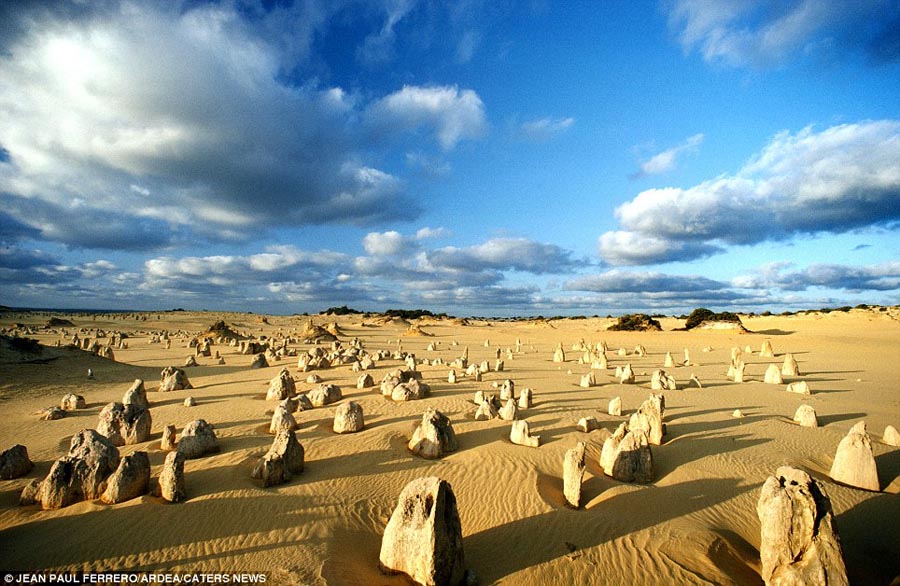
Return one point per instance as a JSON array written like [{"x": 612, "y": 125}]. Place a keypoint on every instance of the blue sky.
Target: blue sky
[{"x": 473, "y": 157}]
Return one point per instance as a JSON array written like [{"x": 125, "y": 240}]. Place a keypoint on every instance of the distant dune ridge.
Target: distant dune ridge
[{"x": 586, "y": 477}]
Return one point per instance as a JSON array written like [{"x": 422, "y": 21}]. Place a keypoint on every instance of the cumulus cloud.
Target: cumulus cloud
[
  {"x": 879, "y": 277},
  {"x": 842, "y": 178},
  {"x": 518, "y": 254},
  {"x": 394, "y": 243},
  {"x": 766, "y": 33},
  {"x": 619, "y": 281},
  {"x": 450, "y": 113},
  {"x": 667, "y": 160},
  {"x": 543, "y": 129},
  {"x": 145, "y": 143}
]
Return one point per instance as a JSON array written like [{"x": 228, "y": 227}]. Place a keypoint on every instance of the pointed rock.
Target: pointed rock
[
  {"x": 854, "y": 461},
  {"x": 423, "y": 538},
  {"x": 799, "y": 544},
  {"x": 573, "y": 474},
  {"x": 130, "y": 480},
  {"x": 434, "y": 437},
  {"x": 806, "y": 416}
]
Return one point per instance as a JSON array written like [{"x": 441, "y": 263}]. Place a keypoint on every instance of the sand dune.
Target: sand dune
[{"x": 695, "y": 524}]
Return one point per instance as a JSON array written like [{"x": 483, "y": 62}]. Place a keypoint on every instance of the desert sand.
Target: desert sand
[{"x": 696, "y": 523}]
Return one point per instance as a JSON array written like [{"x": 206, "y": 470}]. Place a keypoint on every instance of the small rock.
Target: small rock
[
  {"x": 70, "y": 402},
  {"x": 520, "y": 434},
  {"x": 348, "y": 418},
  {"x": 615, "y": 407},
  {"x": 130, "y": 480},
  {"x": 14, "y": 462},
  {"x": 800, "y": 387},
  {"x": 171, "y": 478},
  {"x": 434, "y": 437},
  {"x": 854, "y": 461},
  {"x": 806, "y": 416},
  {"x": 197, "y": 439}
]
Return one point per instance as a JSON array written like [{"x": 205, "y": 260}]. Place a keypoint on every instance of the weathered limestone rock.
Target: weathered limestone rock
[
  {"x": 30, "y": 494},
  {"x": 189, "y": 362},
  {"x": 559, "y": 355},
  {"x": 627, "y": 376},
  {"x": 259, "y": 361},
  {"x": 130, "y": 480},
  {"x": 588, "y": 424},
  {"x": 669, "y": 362},
  {"x": 526, "y": 398},
  {"x": 197, "y": 439},
  {"x": 365, "y": 381},
  {"x": 854, "y": 461},
  {"x": 190, "y": 402},
  {"x": 615, "y": 406},
  {"x": 660, "y": 380},
  {"x": 14, "y": 462},
  {"x": 124, "y": 424},
  {"x": 507, "y": 390},
  {"x": 773, "y": 375},
  {"x": 281, "y": 462},
  {"x": 790, "y": 366},
  {"x": 626, "y": 455},
  {"x": 136, "y": 395},
  {"x": 51, "y": 413},
  {"x": 171, "y": 478},
  {"x": 487, "y": 410},
  {"x": 573, "y": 474},
  {"x": 588, "y": 380},
  {"x": 640, "y": 350},
  {"x": 510, "y": 411},
  {"x": 890, "y": 436},
  {"x": 737, "y": 414},
  {"x": 520, "y": 434},
  {"x": 799, "y": 543},
  {"x": 806, "y": 416},
  {"x": 766, "y": 350},
  {"x": 410, "y": 391},
  {"x": 281, "y": 386},
  {"x": 167, "y": 443},
  {"x": 695, "y": 382},
  {"x": 434, "y": 437},
  {"x": 451, "y": 377},
  {"x": 649, "y": 417},
  {"x": 423, "y": 538},
  {"x": 800, "y": 387},
  {"x": 737, "y": 371},
  {"x": 70, "y": 402},
  {"x": 282, "y": 419},
  {"x": 82, "y": 473},
  {"x": 348, "y": 418},
  {"x": 174, "y": 379},
  {"x": 313, "y": 379},
  {"x": 324, "y": 394}
]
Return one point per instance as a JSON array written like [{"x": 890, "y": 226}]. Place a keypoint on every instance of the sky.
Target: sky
[{"x": 476, "y": 157}]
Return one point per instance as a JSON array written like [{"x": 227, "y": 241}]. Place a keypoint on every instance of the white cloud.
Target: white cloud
[
  {"x": 452, "y": 114},
  {"x": 545, "y": 128},
  {"x": 162, "y": 142},
  {"x": 619, "y": 281},
  {"x": 767, "y": 32},
  {"x": 880, "y": 277},
  {"x": 842, "y": 178},
  {"x": 518, "y": 254},
  {"x": 385, "y": 243},
  {"x": 667, "y": 160}
]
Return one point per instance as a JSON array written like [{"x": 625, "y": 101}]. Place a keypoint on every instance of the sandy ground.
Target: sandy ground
[{"x": 695, "y": 524}]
